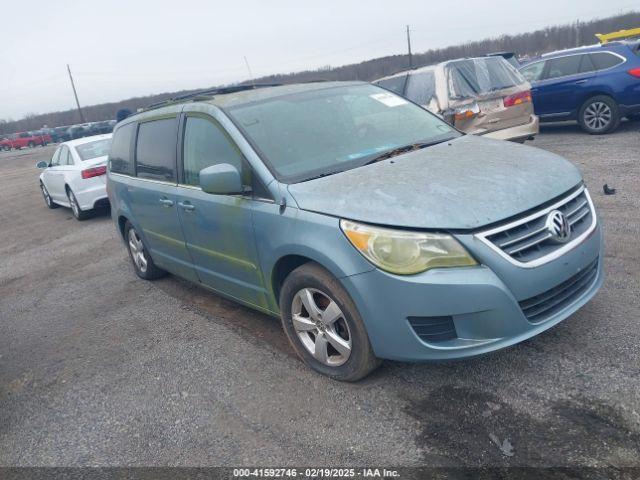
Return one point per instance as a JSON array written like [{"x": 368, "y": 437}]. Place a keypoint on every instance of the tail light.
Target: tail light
[
  {"x": 635, "y": 72},
  {"x": 94, "y": 172},
  {"x": 466, "y": 111},
  {"x": 518, "y": 98}
]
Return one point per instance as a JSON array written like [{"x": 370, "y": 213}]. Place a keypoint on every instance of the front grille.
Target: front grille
[
  {"x": 529, "y": 240},
  {"x": 433, "y": 329},
  {"x": 546, "y": 304}
]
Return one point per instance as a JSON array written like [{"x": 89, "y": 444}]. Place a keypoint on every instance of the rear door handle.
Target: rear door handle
[
  {"x": 187, "y": 206},
  {"x": 166, "y": 202}
]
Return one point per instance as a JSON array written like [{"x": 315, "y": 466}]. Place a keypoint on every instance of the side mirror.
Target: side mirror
[
  {"x": 42, "y": 164},
  {"x": 221, "y": 179}
]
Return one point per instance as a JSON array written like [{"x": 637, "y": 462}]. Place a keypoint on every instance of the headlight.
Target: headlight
[{"x": 404, "y": 252}]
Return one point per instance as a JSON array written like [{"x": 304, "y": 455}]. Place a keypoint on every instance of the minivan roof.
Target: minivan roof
[{"x": 241, "y": 97}]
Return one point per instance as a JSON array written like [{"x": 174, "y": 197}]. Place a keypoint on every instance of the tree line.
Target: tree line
[{"x": 530, "y": 44}]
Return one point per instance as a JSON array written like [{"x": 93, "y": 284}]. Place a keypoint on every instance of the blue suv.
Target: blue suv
[{"x": 596, "y": 85}]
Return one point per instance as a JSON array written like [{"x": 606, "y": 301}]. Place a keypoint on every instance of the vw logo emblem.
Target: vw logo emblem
[{"x": 558, "y": 226}]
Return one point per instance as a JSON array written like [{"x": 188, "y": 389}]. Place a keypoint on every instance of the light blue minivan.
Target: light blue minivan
[{"x": 372, "y": 228}]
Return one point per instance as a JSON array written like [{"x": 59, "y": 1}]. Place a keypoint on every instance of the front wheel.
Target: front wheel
[
  {"x": 324, "y": 326},
  {"x": 47, "y": 197},
  {"x": 599, "y": 115},
  {"x": 78, "y": 213},
  {"x": 142, "y": 261}
]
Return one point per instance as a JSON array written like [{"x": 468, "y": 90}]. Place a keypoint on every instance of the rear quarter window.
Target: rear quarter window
[
  {"x": 156, "y": 149},
  {"x": 120, "y": 152},
  {"x": 421, "y": 87},
  {"x": 604, "y": 60}
]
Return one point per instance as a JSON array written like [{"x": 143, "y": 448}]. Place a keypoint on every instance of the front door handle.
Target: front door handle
[
  {"x": 166, "y": 202},
  {"x": 187, "y": 206},
  {"x": 580, "y": 82}
]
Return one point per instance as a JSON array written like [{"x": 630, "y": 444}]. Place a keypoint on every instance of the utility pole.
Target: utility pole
[
  {"x": 409, "y": 47},
  {"x": 577, "y": 33},
  {"x": 75, "y": 94}
]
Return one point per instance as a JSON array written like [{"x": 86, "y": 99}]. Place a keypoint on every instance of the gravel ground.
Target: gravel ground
[{"x": 98, "y": 367}]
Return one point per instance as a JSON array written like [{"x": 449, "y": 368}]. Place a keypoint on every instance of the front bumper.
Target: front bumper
[
  {"x": 482, "y": 302},
  {"x": 518, "y": 133}
]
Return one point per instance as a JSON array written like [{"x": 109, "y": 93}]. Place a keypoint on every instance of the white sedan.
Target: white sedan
[{"x": 75, "y": 177}]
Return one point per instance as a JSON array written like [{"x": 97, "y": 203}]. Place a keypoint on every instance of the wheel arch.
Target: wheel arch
[{"x": 283, "y": 267}]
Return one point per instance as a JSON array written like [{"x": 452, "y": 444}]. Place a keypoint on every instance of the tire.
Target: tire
[
  {"x": 31, "y": 145},
  {"x": 599, "y": 115},
  {"x": 78, "y": 213},
  {"x": 7, "y": 148},
  {"x": 342, "y": 343},
  {"x": 47, "y": 198},
  {"x": 140, "y": 258}
]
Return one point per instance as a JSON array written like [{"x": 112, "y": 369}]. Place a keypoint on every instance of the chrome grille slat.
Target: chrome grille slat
[
  {"x": 572, "y": 212},
  {"x": 523, "y": 237},
  {"x": 575, "y": 220},
  {"x": 524, "y": 242},
  {"x": 528, "y": 245}
]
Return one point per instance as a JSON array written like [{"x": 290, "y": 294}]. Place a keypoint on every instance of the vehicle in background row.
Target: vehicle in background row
[
  {"x": 24, "y": 139},
  {"x": 480, "y": 96},
  {"x": 596, "y": 86},
  {"x": 508, "y": 56},
  {"x": 75, "y": 175},
  {"x": 371, "y": 227}
]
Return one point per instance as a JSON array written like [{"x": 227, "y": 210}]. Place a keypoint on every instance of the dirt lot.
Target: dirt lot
[{"x": 98, "y": 367}]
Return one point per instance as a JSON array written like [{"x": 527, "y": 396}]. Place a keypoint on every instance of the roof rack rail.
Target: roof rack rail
[{"x": 208, "y": 93}]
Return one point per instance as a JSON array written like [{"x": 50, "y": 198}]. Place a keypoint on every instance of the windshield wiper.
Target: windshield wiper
[{"x": 404, "y": 149}]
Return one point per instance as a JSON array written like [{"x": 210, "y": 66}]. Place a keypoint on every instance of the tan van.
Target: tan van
[{"x": 479, "y": 96}]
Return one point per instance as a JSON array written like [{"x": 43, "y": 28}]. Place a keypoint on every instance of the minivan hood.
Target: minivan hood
[{"x": 466, "y": 183}]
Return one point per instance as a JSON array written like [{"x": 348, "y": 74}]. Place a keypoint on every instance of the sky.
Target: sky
[{"x": 120, "y": 49}]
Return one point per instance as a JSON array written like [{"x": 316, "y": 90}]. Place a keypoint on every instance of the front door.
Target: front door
[
  {"x": 563, "y": 82},
  {"x": 153, "y": 196},
  {"x": 218, "y": 229}
]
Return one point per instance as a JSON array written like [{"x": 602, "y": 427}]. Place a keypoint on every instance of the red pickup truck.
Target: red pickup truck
[{"x": 24, "y": 139}]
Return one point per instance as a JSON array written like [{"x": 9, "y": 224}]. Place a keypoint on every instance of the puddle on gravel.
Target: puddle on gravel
[{"x": 458, "y": 424}]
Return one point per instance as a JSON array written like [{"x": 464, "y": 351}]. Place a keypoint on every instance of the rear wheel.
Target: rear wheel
[
  {"x": 78, "y": 213},
  {"x": 142, "y": 262},
  {"x": 47, "y": 197},
  {"x": 324, "y": 326},
  {"x": 599, "y": 115}
]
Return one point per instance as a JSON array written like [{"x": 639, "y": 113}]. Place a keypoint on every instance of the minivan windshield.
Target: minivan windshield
[
  {"x": 471, "y": 77},
  {"x": 324, "y": 131}
]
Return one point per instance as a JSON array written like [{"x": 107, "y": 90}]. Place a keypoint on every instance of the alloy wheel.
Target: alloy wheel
[
  {"x": 45, "y": 194},
  {"x": 598, "y": 115},
  {"x": 137, "y": 251},
  {"x": 74, "y": 204},
  {"x": 321, "y": 327}
]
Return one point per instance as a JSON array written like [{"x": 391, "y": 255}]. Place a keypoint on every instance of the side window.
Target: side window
[
  {"x": 64, "y": 156},
  {"x": 55, "y": 160},
  {"x": 533, "y": 72},
  {"x": 563, "y": 66},
  {"x": 421, "y": 88},
  {"x": 120, "y": 153},
  {"x": 395, "y": 84},
  {"x": 156, "y": 149},
  {"x": 586, "y": 65},
  {"x": 603, "y": 60},
  {"x": 206, "y": 144}
]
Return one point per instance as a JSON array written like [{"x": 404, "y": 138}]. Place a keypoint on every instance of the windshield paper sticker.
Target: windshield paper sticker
[{"x": 388, "y": 99}]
